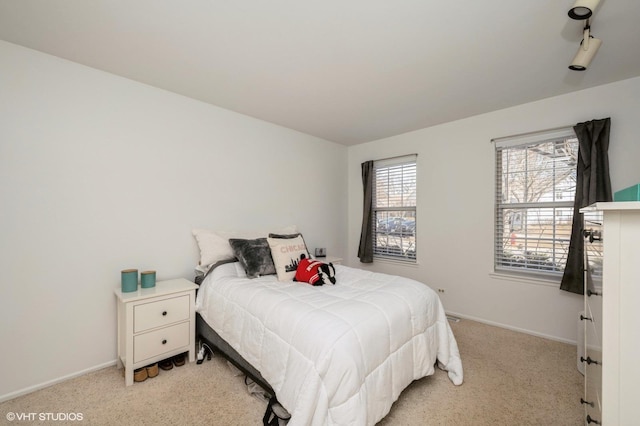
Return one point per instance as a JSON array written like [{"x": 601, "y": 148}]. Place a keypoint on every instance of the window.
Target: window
[
  {"x": 394, "y": 208},
  {"x": 535, "y": 189}
]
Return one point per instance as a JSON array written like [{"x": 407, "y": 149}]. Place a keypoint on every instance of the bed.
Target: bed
[{"x": 333, "y": 354}]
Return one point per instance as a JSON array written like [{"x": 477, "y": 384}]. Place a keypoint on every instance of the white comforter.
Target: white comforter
[{"x": 337, "y": 354}]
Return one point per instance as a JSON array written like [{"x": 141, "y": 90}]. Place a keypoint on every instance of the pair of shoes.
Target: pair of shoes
[
  {"x": 141, "y": 374},
  {"x": 177, "y": 360}
]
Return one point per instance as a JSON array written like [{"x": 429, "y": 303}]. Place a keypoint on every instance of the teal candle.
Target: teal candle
[
  {"x": 148, "y": 279},
  {"x": 129, "y": 280}
]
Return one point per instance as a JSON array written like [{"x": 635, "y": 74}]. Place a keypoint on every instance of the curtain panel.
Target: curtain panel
[
  {"x": 592, "y": 185},
  {"x": 365, "y": 250}
]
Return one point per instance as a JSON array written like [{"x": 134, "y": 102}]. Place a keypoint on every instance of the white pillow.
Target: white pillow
[
  {"x": 214, "y": 245},
  {"x": 286, "y": 253}
]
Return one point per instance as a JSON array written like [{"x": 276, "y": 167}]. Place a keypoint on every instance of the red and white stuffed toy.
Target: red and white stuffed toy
[{"x": 314, "y": 272}]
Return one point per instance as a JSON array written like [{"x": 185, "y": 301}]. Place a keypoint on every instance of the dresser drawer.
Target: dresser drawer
[
  {"x": 163, "y": 312},
  {"x": 157, "y": 342}
]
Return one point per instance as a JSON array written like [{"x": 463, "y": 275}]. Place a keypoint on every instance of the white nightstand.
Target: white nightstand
[{"x": 155, "y": 323}]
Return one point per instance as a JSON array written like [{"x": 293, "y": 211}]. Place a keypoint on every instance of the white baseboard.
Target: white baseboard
[
  {"x": 34, "y": 388},
  {"x": 509, "y": 327}
]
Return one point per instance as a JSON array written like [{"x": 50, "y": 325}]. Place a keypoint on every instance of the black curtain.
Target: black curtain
[
  {"x": 593, "y": 185},
  {"x": 365, "y": 251}
]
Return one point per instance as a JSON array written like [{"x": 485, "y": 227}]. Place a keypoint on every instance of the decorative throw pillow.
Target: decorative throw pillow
[
  {"x": 254, "y": 256},
  {"x": 286, "y": 253}
]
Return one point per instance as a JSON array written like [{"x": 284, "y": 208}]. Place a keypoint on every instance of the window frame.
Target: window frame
[
  {"x": 533, "y": 266},
  {"x": 400, "y": 231}
]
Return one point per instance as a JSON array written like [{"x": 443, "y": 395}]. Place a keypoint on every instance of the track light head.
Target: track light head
[
  {"x": 583, "y": 9},
  {"x": 587, "y": 50}
]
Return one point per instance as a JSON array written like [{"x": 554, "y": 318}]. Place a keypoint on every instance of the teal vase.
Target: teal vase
[
  {"x": 148, "y": 279},
  {"x": 129, "y": 280}
]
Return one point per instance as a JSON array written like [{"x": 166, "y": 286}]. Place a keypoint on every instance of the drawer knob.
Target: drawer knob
[
  {"x": 590, "y": 361},
  {"x": 582, "y": 401},
  {"x": 593, "y": 293},
  {"x": 590, "y": 420},
  {"x": 592, "y": 235},
  {"x": 164, "y": 342},
  {"x": 582, "y": 318},
  {"x": 164, "y": 313}
]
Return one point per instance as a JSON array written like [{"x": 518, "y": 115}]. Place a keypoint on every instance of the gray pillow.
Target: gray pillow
[{"x": 254, "y": 256}]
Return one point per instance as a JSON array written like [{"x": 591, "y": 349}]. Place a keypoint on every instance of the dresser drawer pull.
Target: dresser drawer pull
[
  {"x": 582, "y": 401},
  {"x": 582, "y": 318},
  {"x": 590, "y": 361},
  {"x": 164, "y": 342},
  {"x": 590, "y": 420},
  {"x": 593, "y": 293},
  {"x": 592, "y": 234},
  {"x": 164, "y": 313}
]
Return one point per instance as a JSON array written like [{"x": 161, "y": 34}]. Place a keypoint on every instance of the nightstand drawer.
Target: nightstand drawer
[
  {"x": 160, "y": 313},
  {"x": 157, "y": 342}
]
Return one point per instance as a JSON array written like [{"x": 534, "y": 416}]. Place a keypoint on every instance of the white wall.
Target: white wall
[
  {"x": 456, "y": 204},
  {"x": 99, "y": 173}
]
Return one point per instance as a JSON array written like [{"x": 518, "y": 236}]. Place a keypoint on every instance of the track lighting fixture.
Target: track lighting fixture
[
  {"x": 587, "y": 50},
  {"x": 583, "y": 9}
]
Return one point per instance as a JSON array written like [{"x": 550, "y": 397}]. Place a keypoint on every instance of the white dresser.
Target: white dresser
[
  {"x": 155, "y": 323},
  {"x": 611, "y": 320}
]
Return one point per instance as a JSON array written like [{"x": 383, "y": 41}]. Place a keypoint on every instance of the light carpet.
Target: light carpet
[{"x": 510, "y": 378}]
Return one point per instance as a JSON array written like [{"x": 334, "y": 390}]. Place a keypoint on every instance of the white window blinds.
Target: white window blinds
[
  {"x": 535, "y": 190},
  {"x": 394, "y": 208}
]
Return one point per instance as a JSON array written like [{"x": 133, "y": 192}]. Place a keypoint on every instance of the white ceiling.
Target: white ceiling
[{"x": 349, "y": 71}]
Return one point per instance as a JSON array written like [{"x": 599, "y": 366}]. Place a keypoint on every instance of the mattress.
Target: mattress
[{"x": 334, "y": 354}]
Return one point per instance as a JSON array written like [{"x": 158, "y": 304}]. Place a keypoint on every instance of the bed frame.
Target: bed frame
[{"x": 207, "y": 335}]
